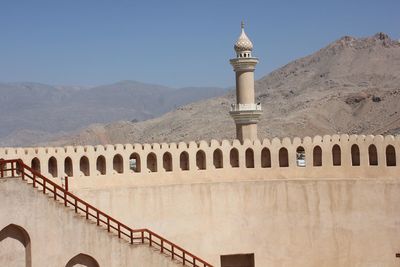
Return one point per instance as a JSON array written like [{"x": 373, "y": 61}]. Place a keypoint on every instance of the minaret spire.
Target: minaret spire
[{"x": 245, "y": 112}]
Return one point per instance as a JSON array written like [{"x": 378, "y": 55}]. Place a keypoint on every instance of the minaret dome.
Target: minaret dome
[{"x": 243, "y": 45}]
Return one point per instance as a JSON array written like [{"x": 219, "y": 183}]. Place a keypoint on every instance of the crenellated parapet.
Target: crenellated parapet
[{"x": 336, "y": 156}]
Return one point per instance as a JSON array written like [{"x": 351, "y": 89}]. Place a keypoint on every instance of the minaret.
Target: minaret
[{"x": 245, "y": 112}]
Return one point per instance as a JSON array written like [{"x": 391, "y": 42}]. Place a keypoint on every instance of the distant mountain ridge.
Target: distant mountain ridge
[
  {"x": 350, "y": 86},
  {"x": 32, "y": 112}
]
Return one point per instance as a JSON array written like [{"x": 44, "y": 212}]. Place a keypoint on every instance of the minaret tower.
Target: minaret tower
[{"x": 245, "y": 112}]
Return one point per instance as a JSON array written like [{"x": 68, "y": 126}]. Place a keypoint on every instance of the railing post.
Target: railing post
[
  {"x": 131, "y": 237},
  {"x": 22, "y": 170},
  {"x": 183, "y": 258},
  {"x": 119, "y": 230},
  {"x": 2, "y": 168},
  {"x": 150, "y": 241},
  {"x": 108, "y": 224},
  {"x": 44, "y": 186},
  {"x": 66, "y": 183},
  {"x": 34, "y": 180},
  {"x": 162, "y": 246},
  {"x": 87, "y": 212},
  {"x": 65, "y": 198},
  {"x": 12, "y": 169},
  {"x": 55, "y": 192},
  {"x": 194, "y": 261},
  {"x": 97, "y": 216},
  {"x": 172, "y": 252},
  {"x": 142, "y": 237},
  {"x": 76, "y": 206}
]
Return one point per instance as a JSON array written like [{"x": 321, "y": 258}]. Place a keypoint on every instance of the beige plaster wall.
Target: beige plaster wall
[
  {"x": 57, "y": 234},
  {"x": 309, "y": 222}
]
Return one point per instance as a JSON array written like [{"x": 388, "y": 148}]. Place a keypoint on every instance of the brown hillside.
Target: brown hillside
[{"x": 350, "y": 86}]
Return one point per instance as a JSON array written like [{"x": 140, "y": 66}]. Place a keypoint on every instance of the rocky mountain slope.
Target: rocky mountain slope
[
  {"x": 350, "y": 86},
  {"x": 33, "y": 112}
]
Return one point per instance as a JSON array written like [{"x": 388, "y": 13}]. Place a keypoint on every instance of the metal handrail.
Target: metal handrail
[{"x": 16, "y": 168}]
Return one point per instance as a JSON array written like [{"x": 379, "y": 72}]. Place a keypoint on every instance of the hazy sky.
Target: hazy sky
[{"x": 176, "y": 43}]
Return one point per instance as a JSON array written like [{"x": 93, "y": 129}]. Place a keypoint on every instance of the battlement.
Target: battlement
[{"x": 336, "y": 156}]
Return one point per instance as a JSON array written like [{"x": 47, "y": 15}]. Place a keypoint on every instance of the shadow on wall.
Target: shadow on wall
[{"x": 18, "y": 233}]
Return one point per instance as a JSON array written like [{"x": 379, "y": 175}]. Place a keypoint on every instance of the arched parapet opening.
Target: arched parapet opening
[
  {"x": 184, "y": 161},
  {"x": 390, "y": 154},
  {"x": 218, "y": 159},
  {"x": 118, "y": 164},
  {"x": 301, "y": 157},
  {"x": 249, "y": 158},
  {"x": 82, "y": 260},
  {"x": 101, "y": 165},
  {"x": 283, "y": 157},
  {"x": 151, "y": 161},
  {"x": 355, "y": 155},
  {"x": 68, "y": 167},
  {"x": 135, "y": 162},
  {"x": 20, "y": 234},
  {"x": 201, "y": 162},
  {"x": 52, "y": 167},
  {"x": 167, "y": 162},
  {"x": 84, "y": 166},
  {"x": 372, "y": 155},
  {"x": 35, "y": 164},
  {"x": 266, "y": 158},
  {"x": 317, "y": 156},
  {"x": 234, "y": 157},
  {"x": 336, "y": 155}
]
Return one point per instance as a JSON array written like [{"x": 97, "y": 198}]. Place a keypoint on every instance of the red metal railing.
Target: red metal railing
[{"x": 17, "y": 168}]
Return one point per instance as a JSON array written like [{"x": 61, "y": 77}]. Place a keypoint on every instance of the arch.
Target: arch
[
  {"x": 317, "y": 156},
  {"x": 83, "y": 259},
  {"x": 84, "y": 166},
  {"x": 372, "y": 155},
  {"x": 336, "y": 155},
  {"x": 265, "y": 158},
  {"x": 390, "y": 156},
  {"x": 101, "y": 166},
  {"x": 167, "y": 162},
  {"x": 52, "y": 167},
  {"x": 152, "y": 162},
  {"x": 118, "y": 163},
  {"x": 218, "y": 159},
  {"x": 355, "y": 155},
  {"x": 283, "y": 157},
  {"x": 201, "y": 160},
  {"x": 35, "y": 164},
  {"x": 249, "y": 158},
  {"x": 18, "y": 233},
  {"x": 300, "y": 157},
  {"x": 234, "y": 158},
  {"x": 135, "y": 163},
  {"x": 68, "y": 169},
  {"x": 184, "y": 161}
]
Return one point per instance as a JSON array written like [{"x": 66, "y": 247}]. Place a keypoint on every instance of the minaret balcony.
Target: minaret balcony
[
  {"x": 246, "y": 107},
  {"x": 246, "y": 113}
]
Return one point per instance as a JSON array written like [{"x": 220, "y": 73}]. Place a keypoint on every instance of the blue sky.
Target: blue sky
[{"x": 172, "y": 42}]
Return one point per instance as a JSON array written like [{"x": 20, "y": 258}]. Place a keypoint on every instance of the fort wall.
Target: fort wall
[{"x": 336, "y": 156}]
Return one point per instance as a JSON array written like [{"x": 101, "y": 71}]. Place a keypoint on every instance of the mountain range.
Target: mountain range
[{"x": 350, "y": 86}]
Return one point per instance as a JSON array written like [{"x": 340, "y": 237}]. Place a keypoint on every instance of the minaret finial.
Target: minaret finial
[{"x": 242, "y": 25}]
